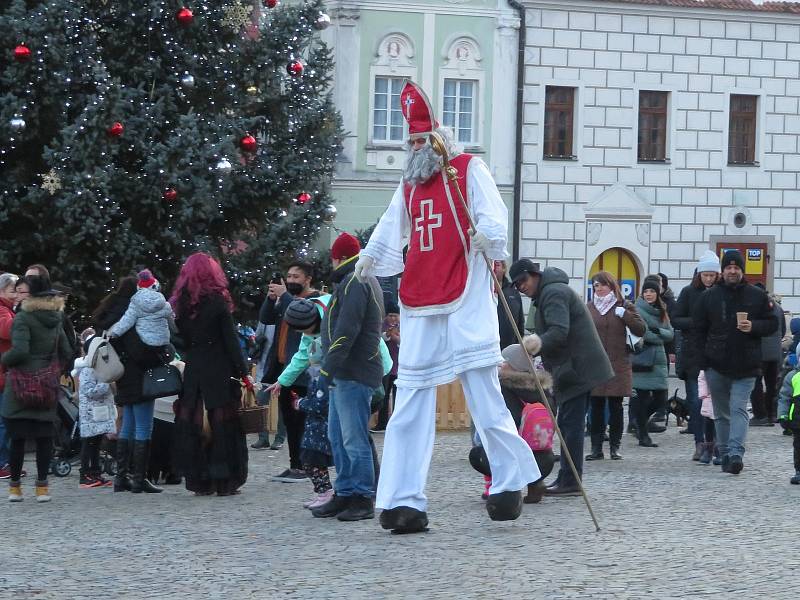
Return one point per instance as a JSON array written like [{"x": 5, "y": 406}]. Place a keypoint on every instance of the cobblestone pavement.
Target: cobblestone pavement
[{"x": 670, "y": 529}]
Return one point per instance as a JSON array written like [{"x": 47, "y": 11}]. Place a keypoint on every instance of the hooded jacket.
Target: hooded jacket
[
  {"x": 655, "y": 378},
  {"x": 150, "y": 313},
  {"x": 37, "y": 336},
  {"x": 571, "y": 348},
  {"x": 728, "y": 350}
]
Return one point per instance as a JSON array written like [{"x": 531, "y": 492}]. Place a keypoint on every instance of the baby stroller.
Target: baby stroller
[{"x": 67, "y": 438}]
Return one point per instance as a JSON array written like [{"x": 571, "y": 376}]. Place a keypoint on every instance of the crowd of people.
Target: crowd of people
[{"x": 334, "y": 365}]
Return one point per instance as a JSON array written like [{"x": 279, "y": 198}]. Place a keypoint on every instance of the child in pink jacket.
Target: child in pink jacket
[{"x": 707, "y": 411}]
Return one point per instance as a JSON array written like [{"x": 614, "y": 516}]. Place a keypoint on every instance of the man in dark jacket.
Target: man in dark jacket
[
  {"x": 514, "y": 300},
  {"x": 285, "y": 343},
  {"x": 764, "y": 396},
  {"x": 352, "y": 368},
  {"x": 573, "y": 353},
  {"x": 732, "y": 317}
]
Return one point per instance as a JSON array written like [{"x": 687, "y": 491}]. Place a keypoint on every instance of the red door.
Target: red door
[{"x": 756, "y": 259}]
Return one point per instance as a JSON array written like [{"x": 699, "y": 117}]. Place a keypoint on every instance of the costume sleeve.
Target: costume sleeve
[
  {"x": 390, "y": 236},
  {"x": 298, "y": 364},
  {"x": 488, "y": 209},
  {"x": 127, "y": 321},
  {"x": 386, "y": 358},
  {"x": 229, "y": 339}
]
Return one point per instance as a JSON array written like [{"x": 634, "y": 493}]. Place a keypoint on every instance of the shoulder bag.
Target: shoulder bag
[
  {"x": 645, "y": 358},
  {"x": 104, "y": 360},
  {"x": 37, "y": 389},
  {"x": 161, "y": 381}
]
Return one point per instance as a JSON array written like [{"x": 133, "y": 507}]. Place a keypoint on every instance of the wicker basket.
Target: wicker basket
[{"x": 253, "y": 418}]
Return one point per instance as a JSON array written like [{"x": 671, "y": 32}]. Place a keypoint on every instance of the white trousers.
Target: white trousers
[{"x": 408, "y": 445}]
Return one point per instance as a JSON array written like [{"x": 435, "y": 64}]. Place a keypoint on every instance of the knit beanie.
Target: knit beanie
[
  {"x": 651, "y": 284},
  {"x": 146, "y": 280},
  {"x": 708, "y": 263},
  {"x": 733, "y": 257},
  {"x": 345, "y": 246}
]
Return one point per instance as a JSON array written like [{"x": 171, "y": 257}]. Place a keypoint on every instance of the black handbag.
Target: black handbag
[
  {"x": 161, "y": 381},
  {"x": 644, "y": 359}
]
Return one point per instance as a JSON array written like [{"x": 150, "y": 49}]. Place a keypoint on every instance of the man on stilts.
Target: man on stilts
[{"x": 448, "y": 317}]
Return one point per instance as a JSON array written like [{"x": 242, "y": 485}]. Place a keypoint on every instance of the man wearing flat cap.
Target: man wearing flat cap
[{"x": 732, "y": 317}]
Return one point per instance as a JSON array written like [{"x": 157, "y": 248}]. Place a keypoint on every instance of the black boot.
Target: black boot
[
  {"x": 360, "y": 508},
  {"x": 122, "y": 481},
  {"x": 597, "y": 453},
  {"x": 505, "y": 506},
  {"x": 333, "y": 507},
  {"x": 535, "y": 492},
  {"x": 615, "y": 455},
  {"x": 141, "y": 456},
  {"x": 404, "y": 519}
]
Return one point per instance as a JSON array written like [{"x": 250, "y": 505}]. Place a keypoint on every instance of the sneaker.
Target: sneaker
[
  {"x": 42, "y": 492},
  {"x": 5, "y": 472},
  {"x": 261, "y": 445},
  {"x": 88, "y": 481},
  {"x": 290, "y": 476},
  {"x": 15, "y": 493},
  {"x": 323, "y": 498}
]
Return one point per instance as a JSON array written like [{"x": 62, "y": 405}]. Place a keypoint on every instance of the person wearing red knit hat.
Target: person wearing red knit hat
[{"x": 352, "y": 369}]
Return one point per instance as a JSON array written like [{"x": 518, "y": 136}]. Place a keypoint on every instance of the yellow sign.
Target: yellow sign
[{"x": 754, "y": 261}]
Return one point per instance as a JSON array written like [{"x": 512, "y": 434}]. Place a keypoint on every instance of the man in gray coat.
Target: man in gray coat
[{"x": 572, "y": 352}]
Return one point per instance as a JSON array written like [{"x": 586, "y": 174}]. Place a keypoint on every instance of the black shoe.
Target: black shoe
[
  {"x": 765, "y": 422},
  {"x": 290, "y": 476},
  {"x": 725, "y": 464},
  {"x": 647, "y": 442},
  {"x": 122, "y": 481},
  {"x": 615, "y": 455},
  {"x": 360, "y": 508},
  {"x": 141, "y": 456},
  {"x": 260, "y": 445},
  {"x": 796, "y": 479},
  {"x": 404, "y": 519},
  {"x": 535, "y": 493},
  {"x": 560, "y": 490},
  {"x": 276, "y": 445},
  {"x": 334, "y": 506},
  {"x": 595, "y": 455},
  {"x": 735, "y": 465},
  {"x": 504, "y": 506}
]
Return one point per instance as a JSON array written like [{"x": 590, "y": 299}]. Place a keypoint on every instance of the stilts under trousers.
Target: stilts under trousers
[{"x": 408, "y": 445}]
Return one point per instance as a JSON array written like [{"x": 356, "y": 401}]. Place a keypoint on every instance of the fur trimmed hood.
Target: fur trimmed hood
[
  {"x": 35, "y": 303},
  {"x": 523, "y": 380}
]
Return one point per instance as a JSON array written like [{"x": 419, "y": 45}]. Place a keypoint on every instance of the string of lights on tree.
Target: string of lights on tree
[{"x": 133, "y": 133}]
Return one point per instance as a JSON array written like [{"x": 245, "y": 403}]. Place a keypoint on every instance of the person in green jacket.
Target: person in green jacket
[{"x": 37, "y": 339}]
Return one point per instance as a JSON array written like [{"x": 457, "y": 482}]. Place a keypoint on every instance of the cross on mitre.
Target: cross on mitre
[{"x": 407, "y": 104}]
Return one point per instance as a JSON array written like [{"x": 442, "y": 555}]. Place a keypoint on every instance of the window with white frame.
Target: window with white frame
[
  {"x": 459, "y": 108},
  {"x": 388, "y": 124}
]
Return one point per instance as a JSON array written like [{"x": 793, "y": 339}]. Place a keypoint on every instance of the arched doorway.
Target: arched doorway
[{"x": 621, "y": 264}]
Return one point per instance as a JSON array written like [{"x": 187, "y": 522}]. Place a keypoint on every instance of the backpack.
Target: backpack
[
  {"x": 102, "y": 357},
  {"x": 536, "y": 427}
]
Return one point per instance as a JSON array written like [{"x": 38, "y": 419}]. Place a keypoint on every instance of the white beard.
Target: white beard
[{"x": 421, "y": 165}]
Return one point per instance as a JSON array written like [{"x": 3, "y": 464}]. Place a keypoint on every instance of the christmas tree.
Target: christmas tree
[{"x": 135, "y": 132}]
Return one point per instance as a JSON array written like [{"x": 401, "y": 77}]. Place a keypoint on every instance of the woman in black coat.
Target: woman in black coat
[
  {"x": 137, "y": 412},
  {"x": 689, "y": 361},
  {"x": 211, "y": 450}
]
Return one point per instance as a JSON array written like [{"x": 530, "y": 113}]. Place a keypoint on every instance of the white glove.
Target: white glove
[
  {"x": 533, "y": 343},
  {"x": 480, "y": 243},
  {"x": 619, "y": 311},
  {"x": 365, "y": 267}
]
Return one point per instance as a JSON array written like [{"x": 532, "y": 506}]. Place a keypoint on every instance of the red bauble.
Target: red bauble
[
  {"x": 116, "y": 130},
  {"x": 185, "y": 17},
  {"x": 170, "y": 194},
  {"x": 248, "y": 143},
  {"x": 295, "y": 68},
  {"x": 22, "y": 53},
  {"x": 270, "y": 3},
  {"x": 303, "y": 198}
]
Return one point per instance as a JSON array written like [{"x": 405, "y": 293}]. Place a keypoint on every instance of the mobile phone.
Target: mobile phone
[{"x": 276, "y": 278}]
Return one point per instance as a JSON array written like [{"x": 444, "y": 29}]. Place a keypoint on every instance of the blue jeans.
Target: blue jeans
[
  {"x": 348, "y": 430},
  {"x": 137, "y": 421},
  {"x": 3, "y": 438},
  {"x": 696, "y": 423},
  {"x": 571, "y": 415},
  {"x": 729, "y": 397}
]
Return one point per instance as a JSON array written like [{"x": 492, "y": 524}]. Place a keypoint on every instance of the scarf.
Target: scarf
[{"x": 604, "y": 303}]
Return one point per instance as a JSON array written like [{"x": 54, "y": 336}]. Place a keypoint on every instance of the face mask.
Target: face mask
[{"x": 294, "y": 288}]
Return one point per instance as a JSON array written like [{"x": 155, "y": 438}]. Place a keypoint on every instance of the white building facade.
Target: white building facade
[{"x": 653, "y": 132}]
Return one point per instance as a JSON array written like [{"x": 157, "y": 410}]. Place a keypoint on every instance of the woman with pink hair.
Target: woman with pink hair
[{"x": 211, "y": 450}]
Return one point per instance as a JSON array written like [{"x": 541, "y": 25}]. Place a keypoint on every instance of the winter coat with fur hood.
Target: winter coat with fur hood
[
  {"x": 37, "y": 334},
  {"x": 150, "y": 313}
]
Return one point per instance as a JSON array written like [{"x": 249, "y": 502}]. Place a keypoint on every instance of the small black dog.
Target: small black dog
[{"x": 679, "y": 407}]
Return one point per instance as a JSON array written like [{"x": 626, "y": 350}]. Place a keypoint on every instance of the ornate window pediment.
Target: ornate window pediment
[
  {"x": 462, "y": 54},
  {"x": 395, "y": 51}
]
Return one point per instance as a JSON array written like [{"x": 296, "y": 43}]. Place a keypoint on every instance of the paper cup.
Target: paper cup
[{"x": 741, "y": 316}]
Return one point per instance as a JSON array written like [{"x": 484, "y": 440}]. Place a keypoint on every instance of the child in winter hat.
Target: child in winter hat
[{"x": 149, "y": 312}]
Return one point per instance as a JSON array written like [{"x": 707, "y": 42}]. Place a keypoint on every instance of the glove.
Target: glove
[
  {"x": 619, "y": 311},
  {"x": 365, "y": 267},
  {"x": 532, "y": 343},
  {"x": 248, "y": 383},
  {"x": 480, "y": 243}
]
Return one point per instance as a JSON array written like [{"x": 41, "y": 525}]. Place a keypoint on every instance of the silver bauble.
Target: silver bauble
[
  {"x": 187, "y": 80},
  {"x": 224, "y": 166},
  {"x": 329, "y": 213},
  {"x": 17, "y": 124},
  {"x": 323, "y": 22}
]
